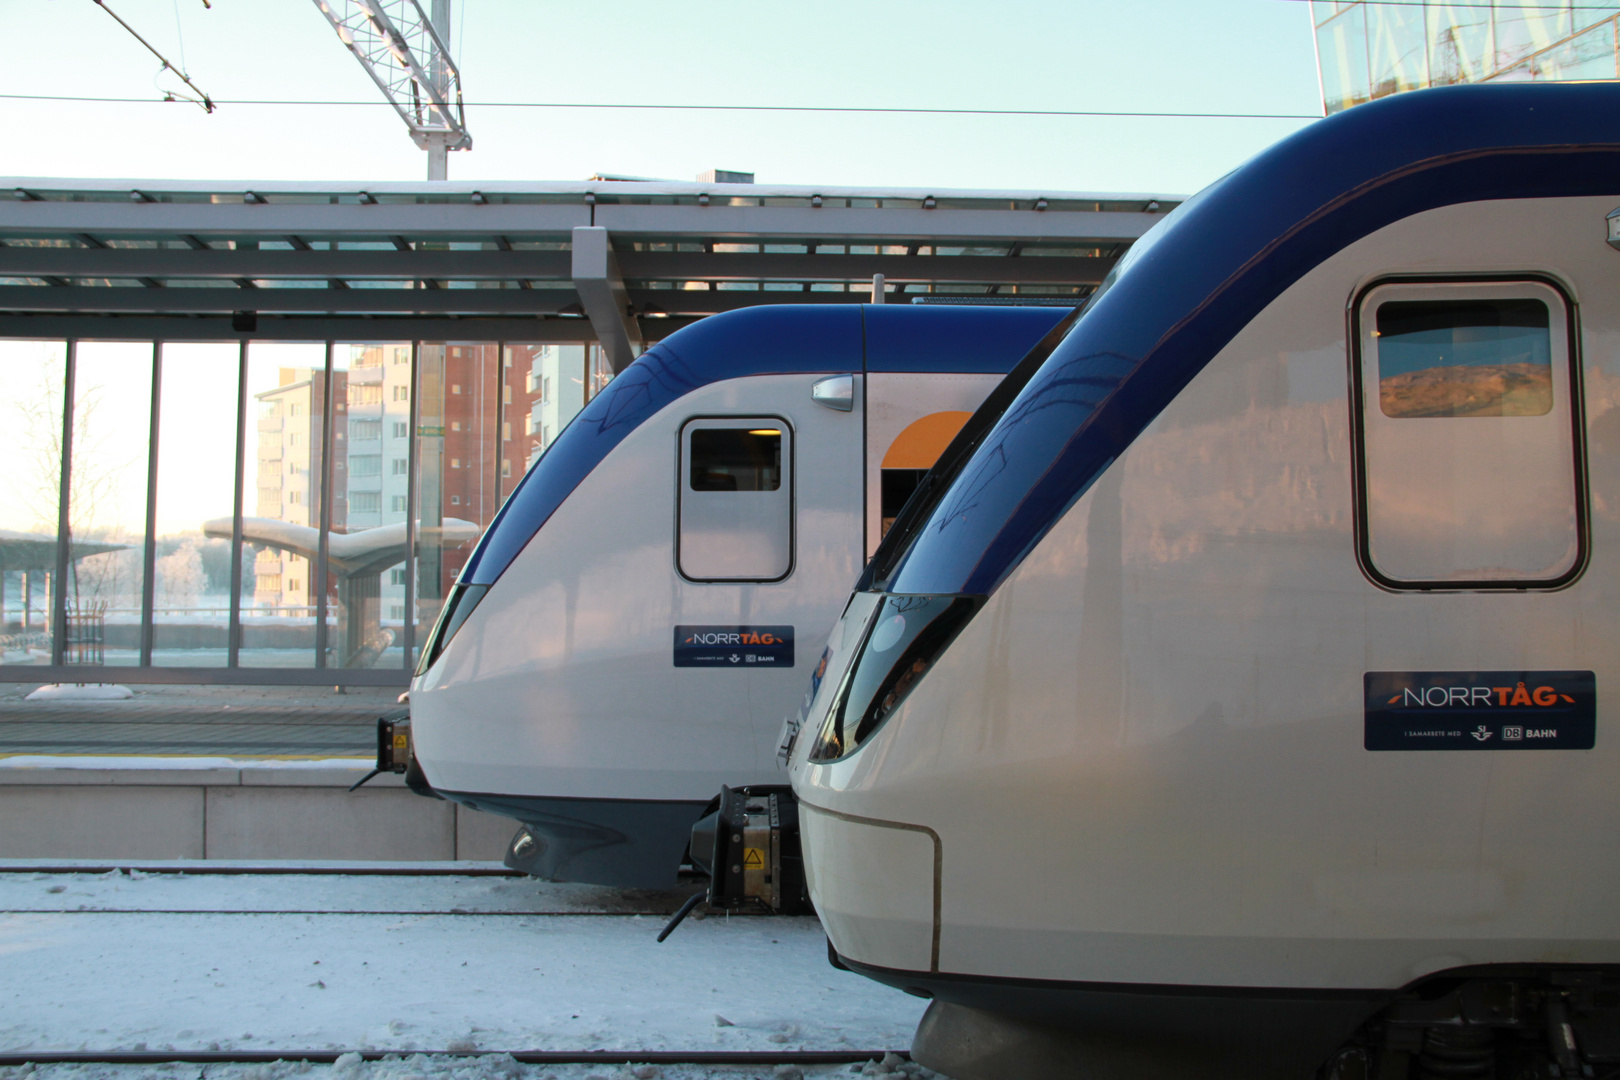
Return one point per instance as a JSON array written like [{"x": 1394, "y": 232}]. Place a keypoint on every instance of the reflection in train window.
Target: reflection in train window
[
  {"x": 736, "y": 459},
  {"x": 1486, "y": 489},
  {"x": 1464, "y": 358}
]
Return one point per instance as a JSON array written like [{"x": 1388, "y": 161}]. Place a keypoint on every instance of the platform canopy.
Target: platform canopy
[
  {"x": 630, "y": 260},
  {"x": 33, "y": 552}
]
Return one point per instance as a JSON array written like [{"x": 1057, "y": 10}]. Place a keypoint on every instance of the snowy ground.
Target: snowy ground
[
  {"x": 487, "y": 1067},
  {"x": 317, "y": 962}
]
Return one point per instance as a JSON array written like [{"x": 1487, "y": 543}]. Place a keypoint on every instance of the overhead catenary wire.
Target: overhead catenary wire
[
  {"x": 205, "y": 101},
  {"x": 665, "y": 106}
]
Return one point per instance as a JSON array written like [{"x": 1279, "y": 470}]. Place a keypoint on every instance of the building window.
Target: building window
[
  {"x": 397, "y": 504},
  {"x": 292, "y": 439},
  {"x": 295, "y": 409},
  {"x": 365, "y": 502},
  {"x": 455, "y": 500},
  {"x": 268, "y": 583},
  {"x": 455, "y": 463},
  {"x": 295, "y": 498},
  {"x": 292, "y": 584},
  {"x": 402, "y": 355},
  {"x": 361, "y": 394},
  {"x": 455, "y": 425},
  {"x": 506, "y": 431},
  {"x": 506, "y": 394},
  {"x": 455, "y": 388},
  {"x": 365, "y": 465},
  {"x": 396, "y": 576},
  {"x": 365, "y": 429},
  {"x": 506, "y": 468},
  {"x": 401, "y": 429},
  {"x": 396, "y": 611},
  {"x": 401, "y": 466},
  {"x": 402, "y": 392},
  {"x": 545, "y": 389}
]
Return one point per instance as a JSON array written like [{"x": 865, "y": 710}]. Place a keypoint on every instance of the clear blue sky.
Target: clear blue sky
[{"x": 1170, "y": 55}]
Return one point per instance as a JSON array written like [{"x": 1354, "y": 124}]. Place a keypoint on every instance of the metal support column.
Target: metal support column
[
  {"x": 233, "y": 645},
  {"x": 64, "y": 528},
  {"x": 149, "y": 555},
  {"x": 413, "y": 459},
  {"x": 603, "y": 295},
  {"x": 324, "y": 515}
]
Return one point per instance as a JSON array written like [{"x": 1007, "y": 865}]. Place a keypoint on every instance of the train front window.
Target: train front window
[
  {"x": 1468, "y": 446},
  {"x": 906, "y": 635}
]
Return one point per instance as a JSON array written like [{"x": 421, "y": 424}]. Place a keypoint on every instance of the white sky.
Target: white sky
[{"x": 1176, "y": 55}]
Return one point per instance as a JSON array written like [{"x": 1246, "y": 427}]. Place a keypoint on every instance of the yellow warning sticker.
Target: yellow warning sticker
[{"x": 754, "y": 858}]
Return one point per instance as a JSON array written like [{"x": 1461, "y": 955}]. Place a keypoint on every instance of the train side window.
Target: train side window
[
  {"x": 1469, "y": 462},
  {"x": 736, "y": 500}
]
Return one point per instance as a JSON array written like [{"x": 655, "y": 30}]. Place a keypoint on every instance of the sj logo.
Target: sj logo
[{"x": 1510, "y": 697}]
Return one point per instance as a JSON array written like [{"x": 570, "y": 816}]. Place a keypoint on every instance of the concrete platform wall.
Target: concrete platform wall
[{"x": 266, "y": 813}]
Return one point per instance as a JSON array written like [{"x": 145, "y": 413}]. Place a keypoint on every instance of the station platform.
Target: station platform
[
  {"x": 256, "y": 721},
  {"x": 218, "y": 773}
]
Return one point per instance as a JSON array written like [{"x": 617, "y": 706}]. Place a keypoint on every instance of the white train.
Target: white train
[
  {"x": 1231, "y": 709},
  {"x": 637, "y": 621}
]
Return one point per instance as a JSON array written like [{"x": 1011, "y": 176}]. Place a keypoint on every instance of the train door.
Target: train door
[
  {"x": 736, "y": 499},
  {"x": 911, "y": 418}
]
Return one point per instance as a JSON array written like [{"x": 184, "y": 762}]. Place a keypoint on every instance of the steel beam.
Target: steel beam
[
  {"x": 955, "y": 269},
  {"x": 602, "y": 294},
  {"x": 139, "y": 327},
  {"x": 542, "y": 265},
  {"x": 871, "y": 225},
  {"x": 88, "y": 298},
  {"x": 309, "y": 220},
  {"x": 254, "y": 263},
  {"x": 706, "y": 302},
  {"x": 318, "y": 220}
]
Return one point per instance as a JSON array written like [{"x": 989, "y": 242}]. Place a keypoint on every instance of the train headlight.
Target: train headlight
[{"x": 904, "y": 638}]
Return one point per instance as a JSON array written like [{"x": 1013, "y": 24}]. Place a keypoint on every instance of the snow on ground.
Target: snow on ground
[
  {"x": 135, "y": 891},
  {"x": 178, "y": 761},
  {"x": 489, "y": 1067},
  {"x": 257, "y": 962}
]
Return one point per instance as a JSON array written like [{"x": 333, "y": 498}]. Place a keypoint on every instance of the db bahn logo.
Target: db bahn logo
[{"x": 1479, "y": 710}]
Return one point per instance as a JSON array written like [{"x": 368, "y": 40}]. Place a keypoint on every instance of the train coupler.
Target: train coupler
[{"x": 748, "y": 843}]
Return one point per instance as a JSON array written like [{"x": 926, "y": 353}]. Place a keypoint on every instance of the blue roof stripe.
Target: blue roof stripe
[
  {"x": 1222, "y": 258},
  {"x": 765, "y": 340}
]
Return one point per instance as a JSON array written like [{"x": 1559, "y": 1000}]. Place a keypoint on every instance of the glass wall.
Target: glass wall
[
  {"x": 275, "y": 506},
  {"x": 1367, "y": 49},
  {"x": 105, "y": 584},
  {"x": 194, "y": 503},
  {"x": 30, "y": 490},
  {"x": 286, "y": 388},
  {"x": 370, "y": 484}
]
